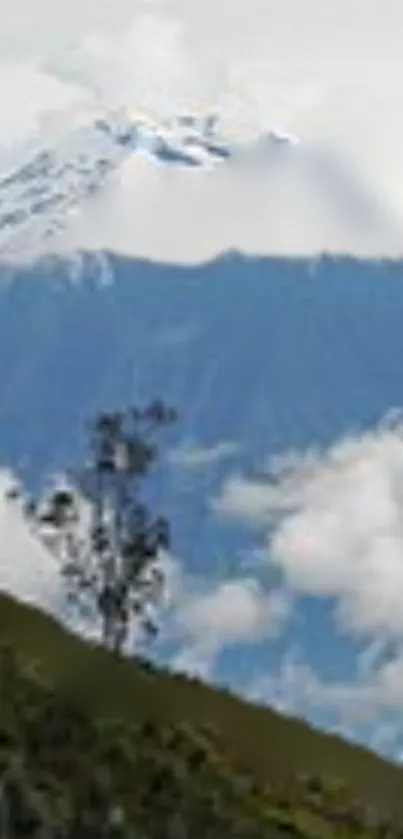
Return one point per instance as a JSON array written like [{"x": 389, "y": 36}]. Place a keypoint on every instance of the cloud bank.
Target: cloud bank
[
  {"x": 324, "y": 73},
  {"x": 334, "y": 524},
  {"x": 27, "y": 571},
  {"x": 331, "y": 520},
  {"x": 233, "y": 613}
]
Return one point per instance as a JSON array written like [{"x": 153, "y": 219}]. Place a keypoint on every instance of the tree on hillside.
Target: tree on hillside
[{"x": 108, "y": 540}]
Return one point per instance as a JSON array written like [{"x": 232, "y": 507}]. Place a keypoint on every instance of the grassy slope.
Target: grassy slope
[{"x": 272, "y": 746}]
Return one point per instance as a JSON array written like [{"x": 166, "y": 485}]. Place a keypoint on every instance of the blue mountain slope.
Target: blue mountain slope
[
  {"x": 262, "y": 353},
  {"x": 268, "y": 353},
  {"x": 265, "y": 354}
]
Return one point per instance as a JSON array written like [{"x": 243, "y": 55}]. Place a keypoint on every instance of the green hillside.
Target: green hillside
[{"x": 203, "y": 740}]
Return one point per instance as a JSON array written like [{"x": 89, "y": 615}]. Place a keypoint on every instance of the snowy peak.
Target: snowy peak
[
  {"x": 78, "y": 151},
  {"x": 37, "y": 196},
  {"x": 185, "y": 140}
]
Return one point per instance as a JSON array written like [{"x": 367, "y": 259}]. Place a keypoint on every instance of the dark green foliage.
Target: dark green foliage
[{"x": 163, "y": 757}]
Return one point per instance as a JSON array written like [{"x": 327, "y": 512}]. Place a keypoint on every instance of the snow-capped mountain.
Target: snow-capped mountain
[
  {"x": 73, "y": 158},
  {"x": 37, "y": 196}
]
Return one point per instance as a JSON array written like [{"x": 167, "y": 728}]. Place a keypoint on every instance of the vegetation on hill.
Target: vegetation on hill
[{"x": 95, "y": 746}]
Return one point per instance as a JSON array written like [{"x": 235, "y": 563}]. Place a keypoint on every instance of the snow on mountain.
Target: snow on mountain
[
  {"x": 269, "y": 69},
  {"x": 38, "y": 196}
]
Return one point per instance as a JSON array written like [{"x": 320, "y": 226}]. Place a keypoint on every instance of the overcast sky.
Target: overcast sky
[{"x": 328, "y": 73}]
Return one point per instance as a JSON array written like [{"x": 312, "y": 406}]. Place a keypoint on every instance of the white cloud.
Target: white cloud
[
  {"x": 335, "y": 526},
  {"x": 233, "y": 612},
  {"x": 327, "y": 73},
  {"x": 297, "y": 688},
  {"x": 367, "y": 706},
  {"x": 242, "y": 497},
  {"x": 32, "y": 103},
  {"x": 276, "y": 205},
  {"x": 193, "y": 456},
  {"x": 236, "y": 611},
  {"x": 27, "y": 569}
]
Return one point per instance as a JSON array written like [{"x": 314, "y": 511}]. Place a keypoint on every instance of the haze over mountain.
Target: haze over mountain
[
  {"x": 146, "y": 156},
  {"x": 327, "y": 76}
]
